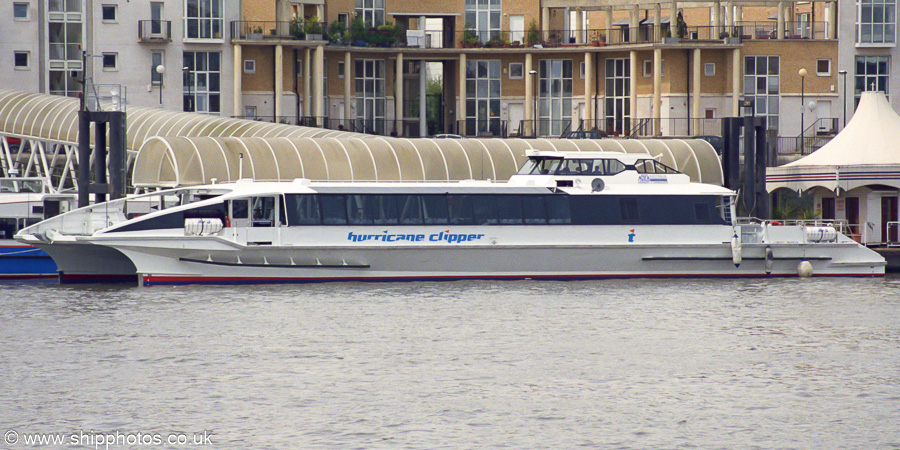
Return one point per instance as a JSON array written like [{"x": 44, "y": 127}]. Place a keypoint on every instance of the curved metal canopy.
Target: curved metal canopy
[
  {"x": 178, "y": 161},
  {"x": 55, "y": 118}
]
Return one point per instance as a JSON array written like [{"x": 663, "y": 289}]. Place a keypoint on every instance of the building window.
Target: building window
[
  {"x": 108, "y": 13},
  {"x": 20, "y": 11},
  {"x": 110, "y": 61},
  {"x": 709, "y": 69},
  {"x": 516, "y": 71},
  {"x": 483, "y": 16},
  {"x": 250, "y": 112},
  {"x": 555, "y": 105},
  {"x": 581, "y": 70},
  {"x": 483, "y": 97},
  {"x": 21, "y": 60},
  {"x": 762, "y": 87},
  {"x": 618, "y": 95},
  {"x": 823, "y": 67},
  {"x": 648, "y": 68},
  {"x": 249, "y": 66},
  {"x": 370, "y": 102},
  {"x": 872, "y": 73},
  {"x": 371, "y": 12},
  {"x": 201, "y": 78},
  {"x": 341, "y": 69},
  {"x": 875, "y": 21},
  {"x": 203, "y": 19},
  {"x": 157, "y": 58}
]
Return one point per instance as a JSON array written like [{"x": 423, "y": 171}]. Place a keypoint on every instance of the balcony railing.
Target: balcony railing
[
  {"x": 294, "y": 30},
  {"x": 155, "y": 30},
  {"x": 792, "y": 30}
]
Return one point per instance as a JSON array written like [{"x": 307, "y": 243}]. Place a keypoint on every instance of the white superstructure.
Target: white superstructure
[{"x": 563, "y": 216}]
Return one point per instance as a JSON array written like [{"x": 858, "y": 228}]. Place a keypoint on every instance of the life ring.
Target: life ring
[{"x": 775, "y": 223}]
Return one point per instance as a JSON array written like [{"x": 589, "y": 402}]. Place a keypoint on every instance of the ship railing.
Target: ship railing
[{"x": 893, "y": 234}]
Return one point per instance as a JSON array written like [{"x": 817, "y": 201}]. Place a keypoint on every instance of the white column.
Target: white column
[
  {"x": 279, "y": 82},
  {"x": 657, "y": 23},
  {"x": 673, "y": 17},
  {"x": 633, "y": 74},
  {"x": 349, "y": 72},
  {"x": 238, "y": 81},
  {"x": 461, "y": 93},
  {"x": 715, "y": 16},
  {"x": 319, "y": 83},
  {"x": 735, "y": 82},
  {"x": 398, "y": 96},
  {"x": 579, "y": 19},
  {"x": 633, "y": 23},
  {"x": 779, "y": 27},
  {"x": 589, "y": 88},
  {"x": 545, "y": 23},
  {"x": 609, "y": 19},
  {"x": 307, "y": 85},
  {"x": 529, "y": 92},
  {"x": 695, "y": 100},
  {"x": 423, "y": 98},
  {"x": 320, "y": 12},
  {"x": 830, "y": 8},
  {"x": 657, "y": 91}
]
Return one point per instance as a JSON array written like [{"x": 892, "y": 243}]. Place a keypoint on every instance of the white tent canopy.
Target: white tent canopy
[
  {"x": 865, "y": 152},
  {"x": 178, "y": 161}
]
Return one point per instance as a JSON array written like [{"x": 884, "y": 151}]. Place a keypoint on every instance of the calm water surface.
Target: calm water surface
[{"x": 607, "y": 364}]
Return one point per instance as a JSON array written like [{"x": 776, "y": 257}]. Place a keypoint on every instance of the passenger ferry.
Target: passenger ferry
[
  {"x": 565, "y": 215},
  {"x": 25, "y": 201}
]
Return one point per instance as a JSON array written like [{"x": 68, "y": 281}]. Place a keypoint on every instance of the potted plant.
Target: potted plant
[
  {"x": 296, "y": 29},
  {"x": 469, "y": 39},
  {"x": 313, "y": 29},
  {"x": 532, "y": 35},
  {"x": 358, "y": 32},
  {"x": 336, "y": 32},
  {"x": 256, "y": 33},
  {"x": 390, "y": 34},
  {"x": 668, "y": 39},
  {"x": 680, "y": 26}
]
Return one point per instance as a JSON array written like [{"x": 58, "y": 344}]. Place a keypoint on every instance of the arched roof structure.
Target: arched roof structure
[
  {"x": 54, "y": 118},
  {"x": 178, "y": 161}
]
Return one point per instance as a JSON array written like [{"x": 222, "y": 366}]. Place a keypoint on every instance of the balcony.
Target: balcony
[
  {"x": 155, "y": 31},
  {"x": 297, "y": 30}
]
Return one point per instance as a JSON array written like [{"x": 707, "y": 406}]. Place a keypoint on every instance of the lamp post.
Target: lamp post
[
  {"x": 843, "y": 74},
  {"x": 160, "y": 69},
  {"x": 802, "y": 74},
  {"x": 534, "y": 92}
]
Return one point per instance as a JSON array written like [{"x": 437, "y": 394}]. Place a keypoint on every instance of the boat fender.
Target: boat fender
[
  {"x": 597, "y": 185},
  {"x": 804, "y": 269},
  {"x": 736, "y": 250},
  {"x": 770, "y": 259}
]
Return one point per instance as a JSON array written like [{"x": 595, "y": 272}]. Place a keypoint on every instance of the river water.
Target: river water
[{"x": 774, "y": 363}]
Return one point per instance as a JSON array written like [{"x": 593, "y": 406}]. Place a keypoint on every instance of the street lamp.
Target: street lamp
[
  {"x": 534, "y": 90},
  {"x": 843, "y": 74},
  {"x": 802, "y": 74},
  {"x": 160, "y": 69}
]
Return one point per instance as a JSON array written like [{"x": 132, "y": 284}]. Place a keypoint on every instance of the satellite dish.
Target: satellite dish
[{"x": 597, "y": 185}]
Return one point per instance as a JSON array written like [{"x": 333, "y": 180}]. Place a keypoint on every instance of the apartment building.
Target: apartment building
[{"x": 173, "y": 54}]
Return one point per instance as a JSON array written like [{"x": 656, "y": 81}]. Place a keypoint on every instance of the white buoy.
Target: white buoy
[
  {"x": 770, "y": 259},
  {"x": 736, "y": 250},
  {"x": 804, "y": 269}
]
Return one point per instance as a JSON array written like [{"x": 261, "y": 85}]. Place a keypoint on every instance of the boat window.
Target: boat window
[
  {"x": 652, "y": 166},
  {"x": 334, "y": 211},
  {"x": 410, "y": 209},
  {"x": 263, "y": 211},
  {"x": 460, "y": 207},
  {"x": 501, "y": 209},
  {"x": 15, "y": 185},
  {"x": 540, "y": 166},
  {"x": 303, "y": 209},
  {"x": 240, "y": 209},
  {"x": 435, "y": 210}
]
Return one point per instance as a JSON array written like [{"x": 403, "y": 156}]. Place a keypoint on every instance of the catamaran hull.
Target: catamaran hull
[
  {"x": 21, "y": 262},
  {"x": 299, "y": 265}
]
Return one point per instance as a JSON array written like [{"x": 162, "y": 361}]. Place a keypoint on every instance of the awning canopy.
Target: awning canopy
[
  {"x": 865, "y": 152},
  {"x": 177, "y": 161}
]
